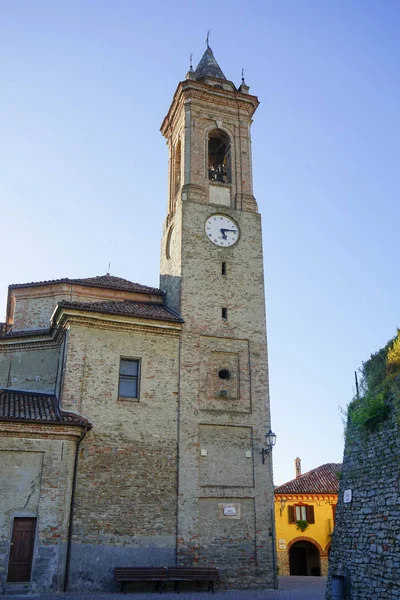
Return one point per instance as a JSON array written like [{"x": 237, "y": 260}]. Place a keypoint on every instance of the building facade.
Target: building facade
[
  {"x": 132, "y": 418},
  {"x": 305, "y": 510}
]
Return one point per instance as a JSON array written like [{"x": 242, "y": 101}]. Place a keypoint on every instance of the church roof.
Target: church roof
[
  {"x": 144, "y": 310},
  {"x": 322, "y": 480},
  {"x": 9, "y": 333},
  {"x": 24, "y": 406},
  {"x": 208, "y": 66},
  {"x": 101, "y": 281}
]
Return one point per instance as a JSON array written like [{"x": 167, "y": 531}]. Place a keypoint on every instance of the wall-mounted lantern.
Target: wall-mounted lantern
[{"x": 271, "y": 441}]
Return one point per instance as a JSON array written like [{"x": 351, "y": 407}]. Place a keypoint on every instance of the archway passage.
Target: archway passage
[{"x": 304, "y": 559}]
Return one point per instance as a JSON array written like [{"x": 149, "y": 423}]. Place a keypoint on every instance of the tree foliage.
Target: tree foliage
[
  {"x": 370, "y": 409},
  {"x": 393, "y": 356}
]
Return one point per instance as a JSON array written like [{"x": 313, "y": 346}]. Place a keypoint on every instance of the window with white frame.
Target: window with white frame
[{"x": 129, "y": 374}]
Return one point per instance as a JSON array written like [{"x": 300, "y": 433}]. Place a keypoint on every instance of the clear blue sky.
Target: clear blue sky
[{"x": 83, "y": 169}]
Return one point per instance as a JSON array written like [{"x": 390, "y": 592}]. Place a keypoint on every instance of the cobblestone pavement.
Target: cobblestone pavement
[{"x": 290, "y": 588}]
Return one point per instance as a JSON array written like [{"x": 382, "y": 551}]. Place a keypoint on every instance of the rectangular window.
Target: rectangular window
[
  {"x": 129, "y": 378},
  {"x": 224, "y": 313},
  {"x": 223, "y": 270},
  {"x": 301, "y": 512}
]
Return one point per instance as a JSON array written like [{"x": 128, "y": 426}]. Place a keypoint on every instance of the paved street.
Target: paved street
[{"x": 290, "y": 588}]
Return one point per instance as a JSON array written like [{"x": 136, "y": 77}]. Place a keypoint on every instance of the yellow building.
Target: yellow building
[{"x": 304, "y": 519}]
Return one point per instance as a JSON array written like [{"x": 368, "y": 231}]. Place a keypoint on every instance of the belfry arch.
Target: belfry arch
[{"x": 219, "y": 156}]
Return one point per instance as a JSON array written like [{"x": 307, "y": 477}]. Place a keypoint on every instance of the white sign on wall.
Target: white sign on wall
[
  {"x": 229, "y": 511},
  {"x": 347, "y": 496}
]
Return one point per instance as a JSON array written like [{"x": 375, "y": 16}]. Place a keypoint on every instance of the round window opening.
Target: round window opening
[{"x": 224, "y": 374}]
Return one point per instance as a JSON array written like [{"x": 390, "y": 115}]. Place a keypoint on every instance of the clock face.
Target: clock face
[{"x": 221, "y": 230}]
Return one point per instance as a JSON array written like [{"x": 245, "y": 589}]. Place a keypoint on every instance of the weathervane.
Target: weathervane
[
  {"x": 242, "y": 75},
  {"x": 208, "y": 38},
  {"x": 191, "y": 62}
]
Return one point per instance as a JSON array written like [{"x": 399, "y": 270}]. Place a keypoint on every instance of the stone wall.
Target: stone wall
[
  {"x": 35, "y": 482},
  {"x": 365, "y": 547}
]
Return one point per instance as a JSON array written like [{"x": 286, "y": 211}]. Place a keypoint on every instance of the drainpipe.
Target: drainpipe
[
  {"x": 178, "y": 430},
  {"x": 71, "y": 513},
  {"x": 273, "y": 536}
]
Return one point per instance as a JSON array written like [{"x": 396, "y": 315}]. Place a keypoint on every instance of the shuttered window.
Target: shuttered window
[
  {"x": 301, "y": 512},
  {"x": 310, "y": 514},
  {"x": 292, "y": 514}
]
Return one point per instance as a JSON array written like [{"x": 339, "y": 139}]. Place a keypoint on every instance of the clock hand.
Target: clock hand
[
  {"x": 223, "y": 233},
  {"x": 232, "y": 230}
]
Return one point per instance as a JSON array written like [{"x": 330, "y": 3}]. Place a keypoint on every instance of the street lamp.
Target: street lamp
[{"x": 271, "y": 441}]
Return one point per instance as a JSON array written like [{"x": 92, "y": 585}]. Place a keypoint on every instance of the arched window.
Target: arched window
[
  {"x": 177, "y": 168},
  {"x": 219, "y": 156}
]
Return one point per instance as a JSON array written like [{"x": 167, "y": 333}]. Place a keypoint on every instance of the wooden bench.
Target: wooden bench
[
  {"x": 164, "y": 574},
  {"x": 125, "y": 574},
  {"x": 178, "y": 574}
]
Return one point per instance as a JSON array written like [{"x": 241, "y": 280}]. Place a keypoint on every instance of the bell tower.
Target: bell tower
[{"x": 212, "y": 273}]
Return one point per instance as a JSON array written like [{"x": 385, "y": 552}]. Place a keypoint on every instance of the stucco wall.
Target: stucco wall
[
  {"x": 35, "y": 481},
  {"x": 318, "y": 533},
  {"x": 32, "y": 369}
]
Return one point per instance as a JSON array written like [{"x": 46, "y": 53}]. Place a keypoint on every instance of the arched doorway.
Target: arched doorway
[{"x": 304, "y": 559}]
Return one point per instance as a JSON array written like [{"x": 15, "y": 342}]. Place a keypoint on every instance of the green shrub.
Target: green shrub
[
  {"x": 369, "y": 411},
  {"x": 301, "y": 524},
  {"x": 377, "y": 374}
]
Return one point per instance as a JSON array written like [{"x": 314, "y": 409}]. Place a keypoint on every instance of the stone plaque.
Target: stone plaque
[
  {"x": 229, "y": 511},
  {"x": 347, "y": 496}
]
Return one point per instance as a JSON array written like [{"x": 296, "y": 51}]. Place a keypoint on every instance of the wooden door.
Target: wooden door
[{"x": 21, "y": 552}]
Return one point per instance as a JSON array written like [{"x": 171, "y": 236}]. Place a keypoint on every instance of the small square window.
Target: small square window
[{"x": 129, "y": 371}]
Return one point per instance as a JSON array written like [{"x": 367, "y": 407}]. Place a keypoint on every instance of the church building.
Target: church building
[{"x": 133, "y": 419}]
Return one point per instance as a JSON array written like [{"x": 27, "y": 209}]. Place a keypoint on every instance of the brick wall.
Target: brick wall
[
  {"x": 126, "y": 498},
  {"x": 225, "y": 425}
]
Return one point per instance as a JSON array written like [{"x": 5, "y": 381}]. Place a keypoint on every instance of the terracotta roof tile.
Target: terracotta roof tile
[
  {"x": 322, "y": 480},
  {"x": 102, "y": 281},
  {"x": 143, "y": 310},
  {"x": 25, "y": 406}
]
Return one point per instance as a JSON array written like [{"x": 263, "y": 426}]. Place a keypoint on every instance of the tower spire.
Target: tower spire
[{"x": 208, "y": 66}]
